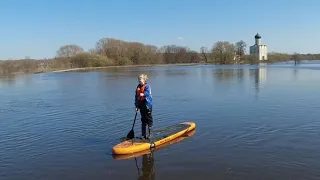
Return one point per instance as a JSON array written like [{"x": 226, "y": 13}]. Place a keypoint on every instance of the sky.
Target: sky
[{"x": 37, "y": 28}]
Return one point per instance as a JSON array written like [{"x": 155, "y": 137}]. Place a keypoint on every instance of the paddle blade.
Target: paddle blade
[{"x": 130, "y": 134}]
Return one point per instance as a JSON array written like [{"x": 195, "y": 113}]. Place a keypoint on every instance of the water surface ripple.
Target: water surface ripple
[{"x": 253, "y": 122}]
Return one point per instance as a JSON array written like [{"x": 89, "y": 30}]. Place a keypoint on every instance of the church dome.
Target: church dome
[{"x": 257, "y": 36}]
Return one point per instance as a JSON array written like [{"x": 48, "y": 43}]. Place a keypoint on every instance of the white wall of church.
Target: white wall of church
[
  {"x": 259, "y": 50},
  {"x": 263, "y": 52}
]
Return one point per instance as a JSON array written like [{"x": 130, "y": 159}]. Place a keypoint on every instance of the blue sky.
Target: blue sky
[{"x": 37, "y": 28}]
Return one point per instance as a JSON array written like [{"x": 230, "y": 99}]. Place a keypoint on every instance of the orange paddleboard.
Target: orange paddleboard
[
  {"x": 159, "y": 137},
  {"x": 137, "y": 154}
]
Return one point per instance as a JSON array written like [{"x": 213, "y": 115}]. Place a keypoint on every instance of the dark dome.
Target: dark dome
[{"x": 257, "y": 36}]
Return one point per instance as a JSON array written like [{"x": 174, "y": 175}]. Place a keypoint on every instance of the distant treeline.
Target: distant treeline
[{"x": 114, "y": 52}]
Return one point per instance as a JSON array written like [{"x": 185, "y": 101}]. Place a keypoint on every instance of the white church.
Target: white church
[{"x": 259, "y": 49}]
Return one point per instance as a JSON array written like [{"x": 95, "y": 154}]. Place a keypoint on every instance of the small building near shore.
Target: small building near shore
[{"x": 259, "y": 50}]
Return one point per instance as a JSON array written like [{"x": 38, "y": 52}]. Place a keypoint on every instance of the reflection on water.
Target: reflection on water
[
  {"x": 146, "y": 169},
  {"x": 147, "y": 172},
  {"x": 7, "y": 81},
  {"x": 225, "y": 74},
  {"x": 64, "y": 125},
  {"x": 295, "y": 73},
  {"x": 257, "y": 76},
  {"x": 260, "y": 77},
  {"x": 240, "y": 75}
]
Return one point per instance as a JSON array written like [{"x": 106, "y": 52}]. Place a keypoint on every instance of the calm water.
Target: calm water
[{"x": 253, "y": 122}]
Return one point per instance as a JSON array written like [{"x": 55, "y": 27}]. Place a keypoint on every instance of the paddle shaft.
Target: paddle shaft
[{"x": 135, "y": 117}]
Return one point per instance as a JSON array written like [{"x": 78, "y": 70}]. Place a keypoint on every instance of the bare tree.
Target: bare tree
[
  {"x": 296, "y": 58},
  {"x": 102, "y": 46},
  {"x": 69, "y": 50},
  {"x": 241, "y": 48},
  {"x": 178, "y": 54},
  {"x": 92, "y": 51},
  {"x": 169, "y": 54},
  {"x": 223, "y": 51},
  {"x": 204, "y": 51}
]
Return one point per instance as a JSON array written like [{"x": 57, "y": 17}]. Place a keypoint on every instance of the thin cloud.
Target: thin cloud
[{"x": 180, "y": 38}]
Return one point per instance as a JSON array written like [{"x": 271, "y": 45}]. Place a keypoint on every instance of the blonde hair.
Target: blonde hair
[{"x": 143, "y": 76}]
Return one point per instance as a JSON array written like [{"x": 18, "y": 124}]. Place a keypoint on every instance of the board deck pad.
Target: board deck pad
[{"x": 163, "y": 133}]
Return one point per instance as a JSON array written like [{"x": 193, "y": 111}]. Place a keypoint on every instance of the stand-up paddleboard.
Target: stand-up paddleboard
[
  {"x": 159, "y": 137},
  {"x": 148, "y": 151}
]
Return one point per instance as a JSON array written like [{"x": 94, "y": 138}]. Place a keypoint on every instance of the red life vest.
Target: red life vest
[{"x": 141, "y": 90}]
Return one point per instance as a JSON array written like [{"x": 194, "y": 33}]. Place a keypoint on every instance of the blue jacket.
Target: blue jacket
[{"x": 148, "y": 96}]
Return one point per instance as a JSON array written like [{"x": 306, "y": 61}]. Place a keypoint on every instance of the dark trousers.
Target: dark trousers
[{"x": 146, "y": 119}]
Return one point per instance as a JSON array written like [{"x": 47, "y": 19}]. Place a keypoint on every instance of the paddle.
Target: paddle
[{"x": 130, "y": 135}]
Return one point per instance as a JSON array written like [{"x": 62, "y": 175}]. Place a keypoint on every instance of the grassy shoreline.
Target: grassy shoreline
[
  {"x": 143, "y": 65},
  {"x": 49, "y": 69},
  {"x": 124, "y": 66}
]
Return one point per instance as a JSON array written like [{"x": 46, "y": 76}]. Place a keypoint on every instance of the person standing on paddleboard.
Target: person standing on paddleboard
[{"x": 143, "y": 102}]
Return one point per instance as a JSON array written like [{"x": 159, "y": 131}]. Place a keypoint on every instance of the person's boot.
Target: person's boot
[{"x": 150, "y": 132}]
